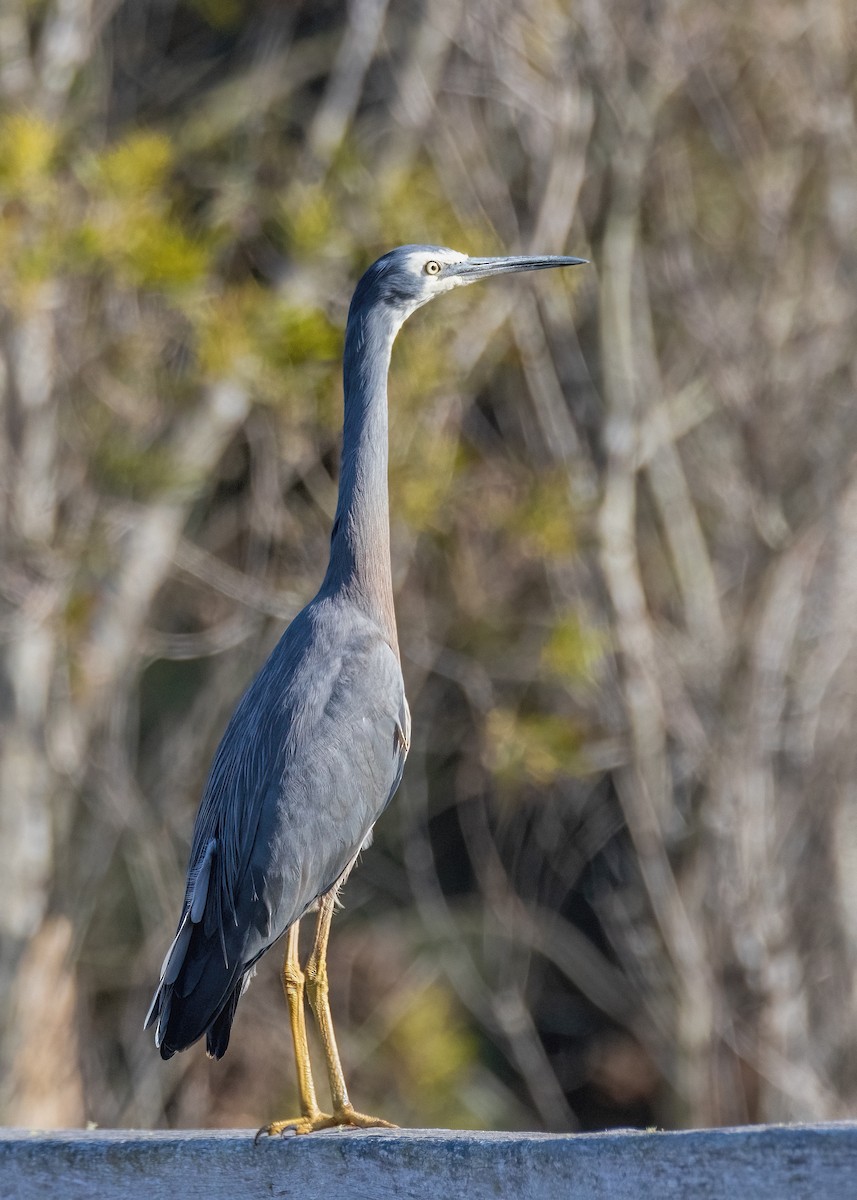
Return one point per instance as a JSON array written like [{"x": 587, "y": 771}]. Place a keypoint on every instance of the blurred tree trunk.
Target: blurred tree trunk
[
  {"x": 61, "y": 674},
  {"x": 60, "y": 690},
  {"x": 730, "y": 793}
]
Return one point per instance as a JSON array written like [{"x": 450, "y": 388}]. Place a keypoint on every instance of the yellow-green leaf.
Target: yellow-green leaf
[
  {"x": 136, "y": 165},
  {"x": 532, "y": 747},
  {"x": 573, "y": 650},
  {"x": 27, "y": 148}
]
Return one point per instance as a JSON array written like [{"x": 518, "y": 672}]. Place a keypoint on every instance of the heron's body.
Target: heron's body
[
  {"x": 308, "y": 763},
  {"x": 316, "y": 747}
]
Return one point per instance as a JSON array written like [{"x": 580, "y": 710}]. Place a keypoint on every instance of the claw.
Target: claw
[
  {"x": 305, "y": 1124},
  {"x": 321, "y": 1120}
]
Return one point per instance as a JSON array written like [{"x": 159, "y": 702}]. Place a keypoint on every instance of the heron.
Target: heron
[{"x": 316, "y": 747}]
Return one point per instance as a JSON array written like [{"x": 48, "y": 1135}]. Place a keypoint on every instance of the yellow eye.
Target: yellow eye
[{"x": 432, "y": 267}]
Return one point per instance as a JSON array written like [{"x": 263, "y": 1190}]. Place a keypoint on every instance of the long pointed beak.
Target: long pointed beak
[{"x": 473, "y": 269}]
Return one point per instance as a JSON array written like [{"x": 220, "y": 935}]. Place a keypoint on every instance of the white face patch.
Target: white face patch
[{"x": 436, "y": 284}]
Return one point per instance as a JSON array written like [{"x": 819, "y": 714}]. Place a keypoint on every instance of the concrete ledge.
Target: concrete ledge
[{"x": 765, "y": 1163}]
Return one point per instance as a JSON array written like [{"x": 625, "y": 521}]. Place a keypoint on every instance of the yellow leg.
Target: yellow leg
[
  {"x": 293, "y": 986},
  {"x": 317, "y": 993}
]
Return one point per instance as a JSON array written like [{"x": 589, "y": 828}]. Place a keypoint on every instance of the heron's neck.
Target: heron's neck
[{"x": 360, "y": 544}]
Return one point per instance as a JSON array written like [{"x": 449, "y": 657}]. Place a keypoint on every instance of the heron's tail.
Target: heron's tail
[
  {"x": 197, "y": 994},
  {"x": 200, "y": 980},
  {"x": 217, "y": 1034}
]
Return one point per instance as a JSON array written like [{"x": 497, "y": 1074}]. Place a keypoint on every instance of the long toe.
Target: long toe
[
  {"x": 298, "y": 1125},
  {"x": 348, "y": 1116}
]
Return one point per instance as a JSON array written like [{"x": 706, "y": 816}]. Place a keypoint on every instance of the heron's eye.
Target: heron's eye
[{"x": 432, "y": 267}]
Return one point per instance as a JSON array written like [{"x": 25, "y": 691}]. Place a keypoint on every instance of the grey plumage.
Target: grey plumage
[{"x": 316, "y": 747}]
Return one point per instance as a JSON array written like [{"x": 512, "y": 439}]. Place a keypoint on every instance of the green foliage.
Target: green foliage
[
  {"x": 435, "y": 1051},
  {"x": 125, "y": 468},
  {"x": 722, "y": 210},
  {"x": 28, "y": 147},
  {"x": 289, "y": 336},
  {"x": 135, "y": 167},
  {"x": 116, "y": 213},
  {"x": 132, "y": 226},
  {"x": 425, "y": 453},
  {"x": 223, "y": 323},
  {"x": 221, "y": 14},
  {"x": 78, "y": 611},
  {"x": 413, "y": 206},
  {"x": 421, "y": 483},
  {"x": 31, "y": 233},
  {"x": 573, "y": 650},
  {"x": 535, "y": 748},
  {"x": 420, "y": 368},
  {"x": 246, "y": 332},
  {"x": 149, "y": 250},
  {"x": 545, "y": 519},
  {"x": 309, "y": 219}
]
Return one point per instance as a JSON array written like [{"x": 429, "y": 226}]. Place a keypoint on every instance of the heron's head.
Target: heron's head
[{"x": 410, "y": 276}]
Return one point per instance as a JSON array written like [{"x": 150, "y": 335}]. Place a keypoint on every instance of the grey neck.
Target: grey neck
[{"x": 360, "y": 543}]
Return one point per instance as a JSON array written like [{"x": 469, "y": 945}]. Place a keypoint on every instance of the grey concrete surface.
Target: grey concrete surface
[{"x": 762, "y": 1163}]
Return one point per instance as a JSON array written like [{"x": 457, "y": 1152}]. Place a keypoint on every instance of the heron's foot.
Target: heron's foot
[
  {"x": 308, "y": 1123},
  {"x": 312, "y": 1122},
  {"x": 349, "y": 1116}
]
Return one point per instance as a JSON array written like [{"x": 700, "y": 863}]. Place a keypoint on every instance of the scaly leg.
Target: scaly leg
[
  {"x": 317, "y": 992},
  {"x": 293, "y": 986}
]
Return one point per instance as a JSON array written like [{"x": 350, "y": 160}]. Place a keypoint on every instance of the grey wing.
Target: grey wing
[
  {"x": 204, "y": 968},
  {"x": 310, "y": 758},
  {"x": 346, "y": 764}
]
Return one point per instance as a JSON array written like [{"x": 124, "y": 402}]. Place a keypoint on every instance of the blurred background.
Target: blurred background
[{"x": 619, "y": 882}]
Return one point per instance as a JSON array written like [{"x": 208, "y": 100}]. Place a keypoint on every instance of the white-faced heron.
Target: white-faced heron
[{"x": 316, "y": 747}]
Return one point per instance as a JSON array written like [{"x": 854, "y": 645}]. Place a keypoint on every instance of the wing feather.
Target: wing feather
[{"x": 310, "y": 758}]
